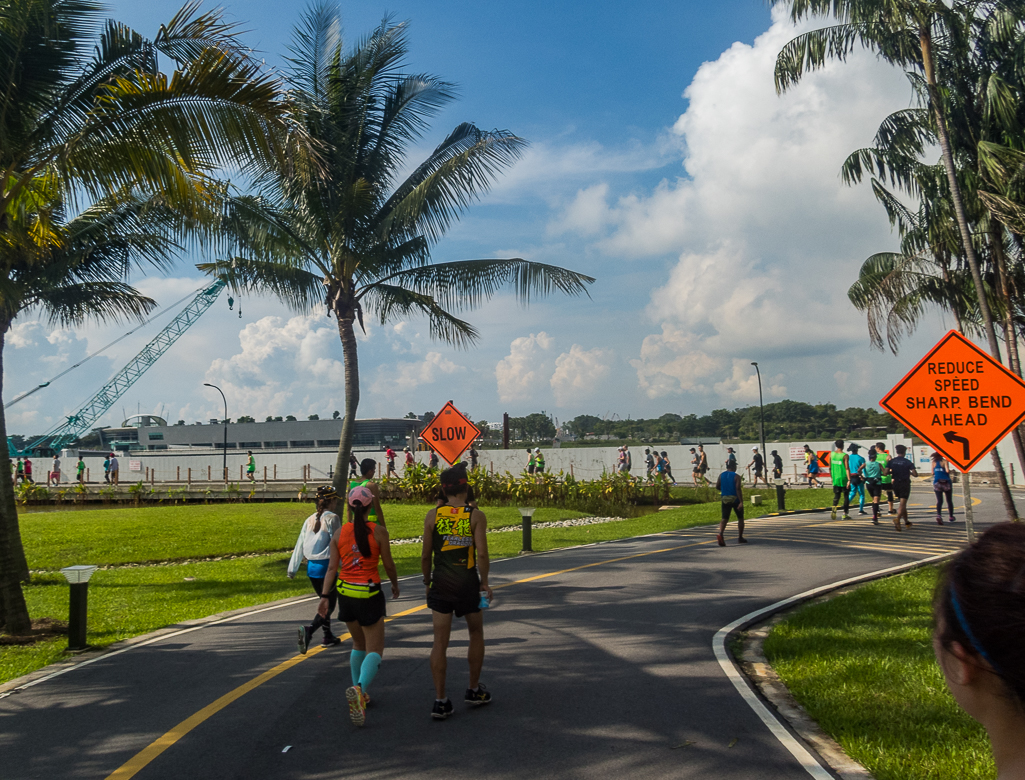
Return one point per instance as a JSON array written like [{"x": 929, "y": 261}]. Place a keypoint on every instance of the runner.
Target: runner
[
  {"x": 433, "y": 464},
  {"x": 979, "y": 614},
  {"x": 887, "y": 482},
  {"x": 731, "y": 457},
  {"x": 539, "y": 461},
  {"x": 28, "y": 471},
  {"x": 81, "y": 470},
  {"x": 55, "y": 472},
  {"x": 901, "y": 470},
  {"x": 353, "y": 465},
  {"x": 531, "y": 462},
  {"x": 314, "y": 546},
  {"x": 649, "y": 462},
  {"x": 758, "y": 462},
  {"x": 473, "y": 458},
  {"x": 251, "y": 466},
  {"x": 943, "y": 485},
  {"x": 368, "y": 468},
  {"x": 628, "y": 460},
  {"x": 813, "y": 467},
  {"x": 455, "y": 538},
  {"x": 839, "y": 470},
  {"x": 389, "y": 455},
  {"x": 667, "y": 467},
  {"x": 873, "y": 482},
  {"x": 106, "y": 468},
  {"x": 732, "y": 497},
  {"x": 115, "y": 469},
  {"x": 857, "y": 466},
  {"x": 356, "y": 549},
  {"x": 777, "y": 465},
  {"x": 695, "y": 464},
  {"x": 19, "y": 472},
  {"x": 702, "y": 464}
]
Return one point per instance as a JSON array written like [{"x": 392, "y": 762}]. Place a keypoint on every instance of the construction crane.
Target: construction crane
[{"x": 80, "y": 423}]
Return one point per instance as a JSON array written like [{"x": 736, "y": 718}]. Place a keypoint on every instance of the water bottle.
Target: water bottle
[{"x": 484, "y": 602}]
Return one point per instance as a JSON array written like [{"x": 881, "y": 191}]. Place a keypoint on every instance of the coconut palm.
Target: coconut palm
[
  {"x": 87, "y": 118},
  {"x": 358, "y": 239}
]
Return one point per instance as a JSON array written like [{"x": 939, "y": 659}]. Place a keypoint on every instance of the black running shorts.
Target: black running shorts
[
  {"x": 902, "y": 489},
  {"x": 874, "y": 488},
  {"x": 366, "y": 612},
  {"x": 732, "y": 506},
  {"x": 462, "y": 605}
]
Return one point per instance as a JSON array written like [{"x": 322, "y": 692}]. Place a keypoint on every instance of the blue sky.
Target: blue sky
[{"x": 661, "y": 162}]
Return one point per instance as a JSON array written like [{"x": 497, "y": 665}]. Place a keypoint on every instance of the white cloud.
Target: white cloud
[
  {"x": 522, "y": 371},
  {"x": 742, "y": 384},
  {"x": 672, "y": 363},
  {"x": 409, "y": 375},
  {"x": 578, "y": 374},
  {"x": 587, "y": 214}
]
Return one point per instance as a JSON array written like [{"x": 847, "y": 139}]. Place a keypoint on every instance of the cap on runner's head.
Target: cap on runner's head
[
  {"x": 774, "y": 452},
  {"x": 454, "y": 476},
  {"x": 326, "y": 491},
  {"x": 729, "y": 449},
  {"x": 405, "y": 449},
  {"x": 853, "y": 447},
  {"x": 754, "y": 449},
  {"x": 361, "y": 496},
  {"x": 692, "y": 449},
  {"x": 537, "y": 449}
]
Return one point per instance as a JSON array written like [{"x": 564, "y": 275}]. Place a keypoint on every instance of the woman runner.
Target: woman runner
[
  {"x": 314, "y": 545},
  {"x": 943, "y": 486},
  {"x": 979, "y": 611},
  {"x": 356, "y": 549},
  {"x": 873, "y": 482}
]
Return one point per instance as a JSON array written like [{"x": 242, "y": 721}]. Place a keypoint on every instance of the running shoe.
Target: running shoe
[
  {"x": 953, "y": 519},
  {"x": 442, "y": 709},
  {"x": 366, "y": 700},
  {"x": 331, "y": 641},
  {"x": 357, "y": 708},
  {"x": 907, "y": 523},
  {"x": 875, "y": 520},
  {"x": 720, "y": 540},
  {"x": 846, "y": 516},
  {"x": 305, "y": 634},
  {"x": 742, "y": 540},
  {"x": 832, "y": 514},
  {"x": 862, "y": 512},
  {"x": 939, "y": 520},
  {"x": 477, "y": 697}
]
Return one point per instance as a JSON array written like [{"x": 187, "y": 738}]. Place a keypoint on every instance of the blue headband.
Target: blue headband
[{"x": 961, "y": 621}]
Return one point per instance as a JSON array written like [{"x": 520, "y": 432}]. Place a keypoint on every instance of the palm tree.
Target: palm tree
[
  {"x": 358, "y": 239},
  {"x": 89, "y": 124}
]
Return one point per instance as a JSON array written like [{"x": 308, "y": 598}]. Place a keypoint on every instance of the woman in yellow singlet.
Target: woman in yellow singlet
[{"x": 357, "y": 548}]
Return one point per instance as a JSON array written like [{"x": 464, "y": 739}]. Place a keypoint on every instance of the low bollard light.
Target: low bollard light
[
  {"x": 781, "y": 492},
  {"x": 78, "y": 579},
  {"x": 526, "y": 512}
]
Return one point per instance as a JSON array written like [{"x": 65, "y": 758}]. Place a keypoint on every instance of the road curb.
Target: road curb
[{"x": 812, "y": 747}]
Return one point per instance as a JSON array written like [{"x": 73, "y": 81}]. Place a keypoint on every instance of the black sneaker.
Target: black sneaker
[
  {"x": 305, "y": 634},
  {"x": 477, "y": 697},
  {"x": 331, "y": 641},
  {"x": 742, "y": 540},
  {"x": 442, "y": 709}
]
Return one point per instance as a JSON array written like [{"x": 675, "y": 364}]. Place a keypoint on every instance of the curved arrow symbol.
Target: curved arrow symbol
[{"x": 951, "y": 437}]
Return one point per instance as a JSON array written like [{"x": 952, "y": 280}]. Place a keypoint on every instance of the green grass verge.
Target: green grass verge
[
  {"x": 132, "y": 601},
  {"x": 862, "y": 665}
]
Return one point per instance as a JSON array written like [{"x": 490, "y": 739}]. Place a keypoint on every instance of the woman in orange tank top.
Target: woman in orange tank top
[{"x": 356, "y": 549}]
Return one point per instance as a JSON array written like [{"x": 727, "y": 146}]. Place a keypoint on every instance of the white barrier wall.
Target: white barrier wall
[{"x": 318, "y": 464}]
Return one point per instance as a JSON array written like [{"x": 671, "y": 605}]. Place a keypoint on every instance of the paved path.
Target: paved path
[{"x": 599, "y": 658}]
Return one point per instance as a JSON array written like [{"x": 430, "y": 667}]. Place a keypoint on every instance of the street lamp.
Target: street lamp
[
  {"x": 526, "y": 512},
  {"x": 761, "y": 420},
  {"x": 225, "y": 450}
]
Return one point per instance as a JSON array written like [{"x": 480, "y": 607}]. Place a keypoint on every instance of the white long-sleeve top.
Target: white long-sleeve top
[{"x": 314, "y": 546}]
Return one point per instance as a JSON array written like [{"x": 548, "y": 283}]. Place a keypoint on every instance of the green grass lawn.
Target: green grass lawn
[
  {"x": 862, "y": 665},
  {"x": 126, "y": 602}
]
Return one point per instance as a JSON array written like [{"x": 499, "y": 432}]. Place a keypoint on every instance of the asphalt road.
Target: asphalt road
[{"x": 599, "y": 659}]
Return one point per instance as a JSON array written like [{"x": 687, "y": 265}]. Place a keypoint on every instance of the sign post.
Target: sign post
[
  {"x": 450, "y": 433},
  {"x": 961, "y": 401}
]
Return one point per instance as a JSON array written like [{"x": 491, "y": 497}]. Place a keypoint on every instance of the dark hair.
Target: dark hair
[
  {"x": 981, "y": 600},
  {"x": 872, "y": 453},
  {"x": 359, "y": 527},
  {"x": 367, "y": 464},
  {"x": 880, "y": 446},
  {"x": 321, "y": 508},
  {"x": 901, "y": 449},
  {"x": 731, "y": 466},
  {"x": 838, "y": 444}
]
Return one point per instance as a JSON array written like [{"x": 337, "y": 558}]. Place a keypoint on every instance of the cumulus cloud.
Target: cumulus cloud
[
  {"x": 742, "y": 384},
  {"x": 520, "y": 372},
  {"x": 409, "y": 375},
  {"x": 578, "y": 374},
  {"x": 671, "y": 362}
]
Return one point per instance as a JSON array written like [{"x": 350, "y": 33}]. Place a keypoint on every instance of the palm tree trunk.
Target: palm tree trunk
[
  {"x": 14, "y": 615},
  {"x": 351, "y": 359},
  {"x": 1007, "y": 321},
  {"x": 925, "y": 37}
]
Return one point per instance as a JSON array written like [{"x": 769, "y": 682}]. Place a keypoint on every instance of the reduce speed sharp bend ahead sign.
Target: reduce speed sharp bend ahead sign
[
  {"x": 450, "y": 433},
  {"x": 958, "y": 399}
]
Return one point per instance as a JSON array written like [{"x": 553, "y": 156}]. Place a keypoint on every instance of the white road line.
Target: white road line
[{"x": 804, "y": 757}]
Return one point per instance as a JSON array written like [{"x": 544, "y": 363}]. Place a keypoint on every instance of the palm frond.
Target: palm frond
[
  {"x": 296, "y": 287},
  {"x": 74, "y": 304},
  {"x": 387, "y": 301}
]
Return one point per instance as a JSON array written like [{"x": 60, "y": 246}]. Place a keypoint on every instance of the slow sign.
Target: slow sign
[
  {"x": 450, "y": 433},
  {"x": 959, "y": 399}
]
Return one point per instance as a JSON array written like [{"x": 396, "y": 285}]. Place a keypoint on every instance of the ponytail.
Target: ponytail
[
  {"x": 321, "y": 508},
  {"x": 360, "y": 529}
]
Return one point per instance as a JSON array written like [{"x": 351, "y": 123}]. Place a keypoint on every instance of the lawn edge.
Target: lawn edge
[{"x": 766, "y": 683}]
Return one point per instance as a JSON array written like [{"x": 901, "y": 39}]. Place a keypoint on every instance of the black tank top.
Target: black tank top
[{"x": 455, "y": 560}]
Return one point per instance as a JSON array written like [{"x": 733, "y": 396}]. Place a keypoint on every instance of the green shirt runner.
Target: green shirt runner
[{"x": 837, "y": 469}]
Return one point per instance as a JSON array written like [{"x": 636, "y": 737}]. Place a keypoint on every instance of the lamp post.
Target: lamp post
[
  {"x": 78, "y": 579},
  {"x": 526, "y": 512},
  {"x": 761, "y": 420},
  {"x": 225, "y": 449}
]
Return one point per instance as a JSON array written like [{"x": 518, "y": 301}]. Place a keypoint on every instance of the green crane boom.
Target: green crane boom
[{"x": 82, "y": 421}]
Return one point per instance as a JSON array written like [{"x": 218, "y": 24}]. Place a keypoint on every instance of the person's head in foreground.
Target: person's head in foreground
[
  {"x": 979, "y": 639},
  {"x": 454, "y": 481},
  {"x": 731, "y": 466},
  {"x": 901, "y": 450}
]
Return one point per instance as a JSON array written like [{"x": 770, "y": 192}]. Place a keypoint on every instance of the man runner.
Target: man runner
[
  {"x": 250, "y": 466},
  {"x": 887, "y": 481},
  {"x": 732, "y": 497},
  {"x": 649, "y": 462},
  {"x": 839, "y": 470},
  {"x": 901, "y": 471},
  {"x": 702, "y": 464},
  {"x": 81, "y": 470},
  {"x": 857, "y": 466},
  {"x": 455, "y": 537},
  {"x": 389, "y": 455},
  {"x": 758, "y": 462},
  {"x": 777, "y": 465},
  {"x": 367, "y": 469}
]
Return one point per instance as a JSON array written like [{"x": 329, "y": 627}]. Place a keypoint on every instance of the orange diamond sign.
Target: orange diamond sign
[
  {"x": 450, "y": 433},
  {"x": 958, "y": 399}
]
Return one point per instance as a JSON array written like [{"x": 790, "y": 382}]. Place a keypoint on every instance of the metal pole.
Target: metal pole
[
  {"x": 761, "y": 420},
  {"x": 527, "y": 541},
  {"x": 77, "y": 611},
  {"x": 224, "y": 465}
]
